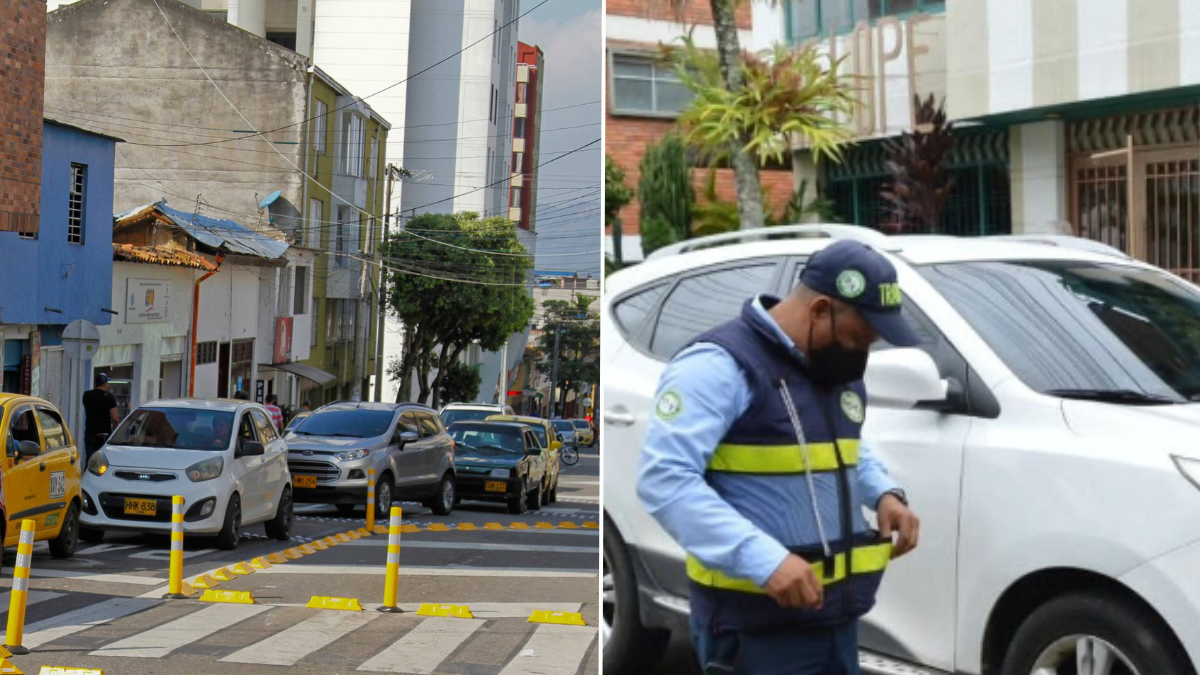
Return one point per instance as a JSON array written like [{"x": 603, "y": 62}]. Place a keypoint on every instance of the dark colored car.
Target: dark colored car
[{"x": 499, "y": 461}]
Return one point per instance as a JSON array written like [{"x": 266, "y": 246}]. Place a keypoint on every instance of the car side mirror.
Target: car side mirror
[
  {"x": 902, "y": 378},
  {"x": 406, "y": 437},
  {"x": 556, "y": 446},
  {"x": 27, "y": 449},
  {"x": 249, "y": 448}
]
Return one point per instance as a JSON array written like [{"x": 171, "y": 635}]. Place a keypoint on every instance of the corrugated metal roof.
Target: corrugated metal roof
[
  {"x": 158, "y": 255},
  {"x": 217, "y": 233}
]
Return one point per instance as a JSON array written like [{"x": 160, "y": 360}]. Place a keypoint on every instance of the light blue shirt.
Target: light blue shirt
[{"x": 712, "y": 394}]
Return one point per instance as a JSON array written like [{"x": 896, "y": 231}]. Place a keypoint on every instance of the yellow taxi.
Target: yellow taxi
[
  {"x": 40, "y": 474},
  {"x": 544, "y": 431}
]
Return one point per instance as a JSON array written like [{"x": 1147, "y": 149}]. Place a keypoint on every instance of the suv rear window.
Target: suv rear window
[
  {"x": 462, "y": 415},
  {"x": 704, "y": 301}
]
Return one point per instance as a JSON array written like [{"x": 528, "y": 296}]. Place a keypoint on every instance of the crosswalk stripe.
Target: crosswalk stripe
[
  {"x": 476, "y": 546},
  {"x": 158, "y": 642},
  {"x": 424, "y": 647},
  {"x": 306, "y": 637},
  {"x": 38, "y": 634},
  {"x": 553, "y": 650},
  {"x": 33, "y": 598}
]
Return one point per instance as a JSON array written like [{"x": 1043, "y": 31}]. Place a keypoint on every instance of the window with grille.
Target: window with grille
[
  {"x": 320, "y": 113},
  {"x": 316, "y": 321},
  {"x": 243, "y": 351},
  {"x": 283, "y": 294},
  {"x": 301, "y": 288},
  {"x": 75, "y": 204},
  {"x": 332, "y": 314},
  {"x": 645, "y": 85},
  {"x": 316, "y": 214},
  {"x": 352, "y": 145},
  {"x": 206, "y": 352}
]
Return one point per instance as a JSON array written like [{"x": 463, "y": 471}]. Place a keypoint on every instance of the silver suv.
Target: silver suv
[{"x": 331, "y": 450}]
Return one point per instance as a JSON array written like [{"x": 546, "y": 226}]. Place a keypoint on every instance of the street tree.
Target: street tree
[
  {"x": 616, "y": 195},
  {"x": 578, "y": 345},
  {"x": 455, "y": 280},
  {"x": 460, "y": 382}
]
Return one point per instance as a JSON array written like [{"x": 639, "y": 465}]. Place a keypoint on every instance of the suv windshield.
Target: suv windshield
[
  {"x": 1084, "y": 330},
  {"x": 487, "y": 440},
  {"x": 346, "y": 423},
  {"x": 459, "y": 415},
  {"x": 581, "y": 424},
  {"x": 175, "y": 428},
  {"x": 564, "y": 425}
]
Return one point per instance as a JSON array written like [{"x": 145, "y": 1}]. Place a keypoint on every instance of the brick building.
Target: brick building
[
  {"x": 22, "y": 78},
  {"x": 644, "y": 97}
]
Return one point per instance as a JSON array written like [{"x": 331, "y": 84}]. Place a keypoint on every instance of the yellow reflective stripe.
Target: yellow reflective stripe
[
  {"x": 740, "y": 458},
  {"x": 867, "y": 560}
]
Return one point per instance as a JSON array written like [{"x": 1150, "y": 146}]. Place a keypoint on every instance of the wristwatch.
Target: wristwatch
[{"x": 898, "y": 494}]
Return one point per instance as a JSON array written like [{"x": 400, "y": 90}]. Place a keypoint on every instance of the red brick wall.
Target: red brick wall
[
  {"x": 695, "y": 12},
  {"x": 22, "y": 79},
  {"x": 625, "y": 141}
]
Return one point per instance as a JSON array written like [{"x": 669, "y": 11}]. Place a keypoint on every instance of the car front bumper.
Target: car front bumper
[
  {"x": 106, "y": 496},
  {"x": 334, "y": 482}
]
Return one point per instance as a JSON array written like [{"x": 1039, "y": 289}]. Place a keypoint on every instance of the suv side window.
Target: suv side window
[
  {"x": 22, "y": 427},
  {"x": 408, "y": 422},
  {"x": 429, "y": 428},
  {"x": 703, "y": 301},
  {"x": 266, "y": 430},
  {"x": 633, "y": 312},
  {"x": 52, "y": 429}
]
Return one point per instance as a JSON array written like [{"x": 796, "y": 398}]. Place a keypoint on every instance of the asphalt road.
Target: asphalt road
[{"x": 102, "y": 609}]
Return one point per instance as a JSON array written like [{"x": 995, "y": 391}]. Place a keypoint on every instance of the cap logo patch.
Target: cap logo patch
[
  {"x": 889, "y": 294},
  {"x": 670, "y": 406},
  {"x": 852, "y": 405},
  {"x": 851, "y": 284}
]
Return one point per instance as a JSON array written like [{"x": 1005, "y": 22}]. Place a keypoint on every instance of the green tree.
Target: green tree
[
  {"x": 616, "y": 195},
  {"x": 455, "y": 280},
  {"x": 578, "y": 346},
  {"x": 460, "y": 382},
  {"x": 665, "y": 193}
]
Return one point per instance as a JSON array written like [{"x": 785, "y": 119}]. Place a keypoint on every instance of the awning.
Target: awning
[{"x": 307, "y": 372}]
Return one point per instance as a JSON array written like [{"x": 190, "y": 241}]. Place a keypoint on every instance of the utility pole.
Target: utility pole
[
  {"x": 554, "y": 370},
  {"x": 363, "y": 321},
  {"x": 387, "y": 217}
]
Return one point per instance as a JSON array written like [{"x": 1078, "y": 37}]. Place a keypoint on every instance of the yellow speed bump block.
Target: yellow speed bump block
[
  {"x": 56, "y": 670},
  {"x": 237, "y": 597},
  {"x": 518, "y": 526},
  {"x": 293, "y": 553},
  {"x": 223, "y": 574},
  {"x": 467, "y": 526},
  {"x": 319, "y": 545},
  {"x": 205, "y": 581},
  {"x": 364, "y": 532},
  {"x": 493, "y": 526},
  {"x": 437, "y": 527},
  {"x": 7, "y": 668},
  {"x": 4, "y": 653},
  {"x": 564, "y": 618},
  {"x": 456, "y": 611},
  {"x": 381, "y": 529},
  {"x": 591, "y": 525},
  {"x": 353, "y": 534},
  {"x": 564, "y": 525},
  {"x": 342, "y": 538},
  {"x": 242, "y": 568},
  {"x": 306, "y": 549},
  {"x": 324, "y": 602},
  {"x": 187, "y": 589},
  {"x": 268, "y": 562},
  {"x": 544, "y": 526},
  {"x": 330, "y": 541},
  {"x": 410, "y": 528}
]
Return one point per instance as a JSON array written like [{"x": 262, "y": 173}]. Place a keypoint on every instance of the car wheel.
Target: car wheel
[
  {"x": 280, "y": 527},
  {"x": 535, "y": 499},
  {"x": 520, "y": 503},
  {"x": 91, "y": 536},
  {"x": 1093, "y": 633},
  {"x": 383, "y": 497},
  {"x": 444, "y": 503},
  {"x": 63, "y": 546},
  {"x": 346, "y": 509},
  {"x": 231, "y": 531},
  {"x": 628, "y": 646}
]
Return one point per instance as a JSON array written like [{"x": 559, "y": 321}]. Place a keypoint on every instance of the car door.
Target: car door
[
  {"x": 26, "y": 482},
  {"x": 431, "y": 450},
  {"x": 274, "y": 463},
  {"x": 655, "y": 321},
  {"x": 409, "y": 459},
  {"x": 249, "y": 470},
  {"x": 541, "y": 459},
  {"x": 61, "y": 460}
]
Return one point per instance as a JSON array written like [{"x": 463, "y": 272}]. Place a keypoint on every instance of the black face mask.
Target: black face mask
[{"x": 834, "y": 365}]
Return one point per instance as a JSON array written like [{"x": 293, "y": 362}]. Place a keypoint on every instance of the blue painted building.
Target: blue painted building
[{"x": 63, "y": 270}]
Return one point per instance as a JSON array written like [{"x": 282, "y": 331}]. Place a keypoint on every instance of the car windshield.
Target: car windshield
[
  {"x": 581, "y": 424},
  {"x": 175, "y": 428},
  {"x": 346, "y": 423},
  {"x": 460, "y": 415},
  {"x": 1073, "y": 329},
  {"x": 540, "y": 432},
  {"x": 495, "y": 440},
  {"x": 564, "y": 425}
]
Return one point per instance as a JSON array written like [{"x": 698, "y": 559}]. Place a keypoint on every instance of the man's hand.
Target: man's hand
[
  {"x": 894, "y": 516},
  {"x": 795, "y": 586}
]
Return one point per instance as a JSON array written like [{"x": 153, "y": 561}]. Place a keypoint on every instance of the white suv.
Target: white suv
[{"x": 1046, "y": 431}]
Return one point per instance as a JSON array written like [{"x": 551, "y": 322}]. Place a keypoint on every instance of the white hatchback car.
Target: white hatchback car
[
  {"x": 1047, "y": 431},
  {"x": 224, "y": 457}
]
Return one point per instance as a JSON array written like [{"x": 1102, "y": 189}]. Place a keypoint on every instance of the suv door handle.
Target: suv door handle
[{"x": 621, "y": 419}]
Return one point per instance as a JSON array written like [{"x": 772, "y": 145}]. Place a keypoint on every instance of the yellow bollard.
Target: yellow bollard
[
  {"x": 392, "y": 580},
  {"x": 370, "y": 499},
  {"x": 20, "y": 589},
  {"x": 175, "y": 587}
]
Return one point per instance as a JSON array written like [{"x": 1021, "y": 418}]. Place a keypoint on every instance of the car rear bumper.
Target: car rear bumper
[{"x": 475, "y": 488}]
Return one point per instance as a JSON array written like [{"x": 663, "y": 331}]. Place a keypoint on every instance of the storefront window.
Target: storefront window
[
  {"x": 120, "y": 385},
  {"x": 241, "y": 366},
  {"x": 813, "y": 18}
]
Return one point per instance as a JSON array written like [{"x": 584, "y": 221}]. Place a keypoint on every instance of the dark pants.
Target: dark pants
[
  {"x": 90, "y": 445},
  {"x": 791, "y": 651}
]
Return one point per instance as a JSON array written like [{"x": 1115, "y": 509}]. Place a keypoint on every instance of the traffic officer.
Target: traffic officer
[{"x": 752, "y": 462}]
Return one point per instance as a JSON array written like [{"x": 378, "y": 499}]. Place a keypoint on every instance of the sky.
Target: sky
[{"x": 569, "y": 221}]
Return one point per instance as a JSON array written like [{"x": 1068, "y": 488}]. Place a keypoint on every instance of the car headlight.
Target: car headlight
[
  {"x": 352, "y": 454},
  {"x": 207, "y": 469},
  {"x": 97, "y": 463},
  {"x": 501, "y": 473}
]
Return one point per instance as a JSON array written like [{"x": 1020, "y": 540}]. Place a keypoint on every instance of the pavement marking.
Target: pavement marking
[
  {"x": 445, "y": 571},
  {"x": 31, "y": 598},
  {"x": 423, "y": 648},
  {"x": 579, "y": 482},
  {"x": 591, "y": 550},
  {"x": 580, "y": 499},
  {"x": 554, "y": 650},
  {"x": 103, "y": 578},
  {"x": 306, "y": 637},
  {"x": 48, "y": 630},
  {"x": 162, "y": 640}
]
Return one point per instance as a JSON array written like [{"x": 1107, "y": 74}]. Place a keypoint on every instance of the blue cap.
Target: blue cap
[{"x": 858, "y": 275}]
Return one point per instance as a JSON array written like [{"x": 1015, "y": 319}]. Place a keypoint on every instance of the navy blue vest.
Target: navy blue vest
[{"x": 759, "y": 468}]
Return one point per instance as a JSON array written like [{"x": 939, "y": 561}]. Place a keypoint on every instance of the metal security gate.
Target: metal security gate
[{"x": 1172, "y": 220}]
